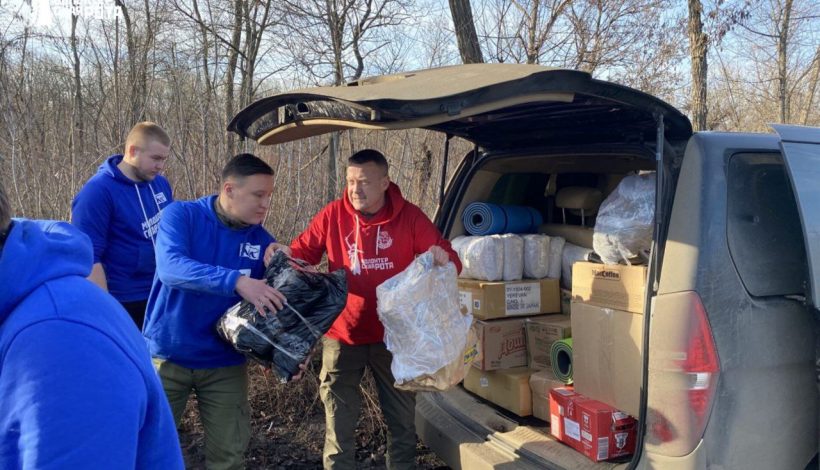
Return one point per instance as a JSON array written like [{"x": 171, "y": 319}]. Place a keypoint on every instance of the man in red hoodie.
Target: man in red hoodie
[{"x": 373, "y": 233}]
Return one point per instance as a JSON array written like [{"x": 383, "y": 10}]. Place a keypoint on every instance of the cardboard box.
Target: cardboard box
[
  {"x": 595, "y": 429},
  {"x": 487, "y": 300},
  {"x": 607, "y": 358},
  {"x": 566, "y": 300},
  {"x": 606, "y": 433},
  {"x": 542, "y": 331},
  {"x": 501, "y": 344},
  {"x": 607, "y": 285},
  {"x": 508, "y": 388},
  {"x": 563, "y": 421},
  {"x": 541, "y": 383}
]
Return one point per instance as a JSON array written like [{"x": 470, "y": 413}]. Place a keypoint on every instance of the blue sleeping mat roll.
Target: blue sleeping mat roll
[{"x": 481, "y": 218}]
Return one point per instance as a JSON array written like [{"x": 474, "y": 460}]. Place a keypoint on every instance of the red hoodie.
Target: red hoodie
[{"x": 371, "y": 251}]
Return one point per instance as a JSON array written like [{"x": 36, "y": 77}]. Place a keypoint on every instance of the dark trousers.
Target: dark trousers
[{"x": 136, "y": 310}]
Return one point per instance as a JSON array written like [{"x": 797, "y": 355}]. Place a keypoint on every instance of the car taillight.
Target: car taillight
[{"x": 683, "y": 374}]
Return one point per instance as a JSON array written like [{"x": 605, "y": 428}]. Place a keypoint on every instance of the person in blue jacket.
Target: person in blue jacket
[
  {"x": 77, "y": 387},
  {"x": 210, "y": 256},
  {"x": 119, "y": 208}
]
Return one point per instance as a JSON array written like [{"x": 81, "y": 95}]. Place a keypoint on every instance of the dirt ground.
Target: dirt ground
[{"x": 287, "y": 423}]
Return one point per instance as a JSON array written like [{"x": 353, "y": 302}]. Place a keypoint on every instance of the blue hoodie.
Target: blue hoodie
[
  {"x": 121, "y": 217},
  {"x": 77, "y": 388},
  {"x": 199, "y": 260}
]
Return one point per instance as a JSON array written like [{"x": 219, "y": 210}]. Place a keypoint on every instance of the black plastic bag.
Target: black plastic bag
[{"x": 283, "y": 340}]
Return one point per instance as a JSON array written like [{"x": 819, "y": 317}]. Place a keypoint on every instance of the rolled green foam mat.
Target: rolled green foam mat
[{"x": 561, "y": 356}]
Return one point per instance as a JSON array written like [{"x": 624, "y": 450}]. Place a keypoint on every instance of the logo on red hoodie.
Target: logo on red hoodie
[{"x": 384, "y": 242}]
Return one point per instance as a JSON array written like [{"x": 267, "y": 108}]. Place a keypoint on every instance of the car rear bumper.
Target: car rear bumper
[{"x": 467, "y": 433}]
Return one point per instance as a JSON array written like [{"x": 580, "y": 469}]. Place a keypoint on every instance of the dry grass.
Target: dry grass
[{"x": 287, "y": 422}]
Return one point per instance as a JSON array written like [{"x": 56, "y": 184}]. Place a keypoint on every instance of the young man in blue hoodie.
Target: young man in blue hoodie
[
  {"x": 77, "y": 389},
  {"x": 210, "y": 256},
  {"x": 119, "y": 209}
]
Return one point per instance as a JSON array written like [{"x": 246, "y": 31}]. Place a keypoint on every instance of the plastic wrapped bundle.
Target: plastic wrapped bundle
[
  {"x": 447, "y": 376},
  {"x": 481, "y": 257},
  {"x": 423, "y": 325},
  {"x": 623, "y": 228},
  {"x": 536, "y": 256},
  {"x": 513, "y": 257},
  {"x": 572, "y": 254},
  {"x": 284, "y": 339},
  {"x": 556, "y": 256}
]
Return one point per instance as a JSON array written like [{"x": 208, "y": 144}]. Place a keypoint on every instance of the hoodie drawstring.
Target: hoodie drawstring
[
  {"x": 378, "y": 237},
  {"x": 353, "y": 252},
  {"x": 145, "y": 215}
]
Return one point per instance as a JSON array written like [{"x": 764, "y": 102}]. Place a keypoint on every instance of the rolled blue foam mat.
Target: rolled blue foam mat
[{"x": 482, "y": 218}]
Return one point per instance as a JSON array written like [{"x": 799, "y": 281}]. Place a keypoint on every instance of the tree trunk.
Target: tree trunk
[
  {"x": 131, "y": 45},
  {"x": 782, "y": 62},
  {"x": 78, "y": 131},
  {"x": 466, "y": 35},
  {"x": 815, "y": 75},
  {"x": 229, "y": 74},
  {"x": 532, "y": 29},
  {"x": 698, "y": 46}
]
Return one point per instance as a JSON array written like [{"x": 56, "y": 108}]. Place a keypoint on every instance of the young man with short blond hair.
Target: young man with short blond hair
[{"x": 119, "y": 209}]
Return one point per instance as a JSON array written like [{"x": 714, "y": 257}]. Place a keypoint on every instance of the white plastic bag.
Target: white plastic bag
[
  {"x": 556, "y": 256},
  {"x": 449, "y": 375},
  {"x": 424, "y": 327},
  {"x": 572, "y": 254},
  {"x": 623, "y": 228},
  {"x": 481, "y": 257},
  {"x": 536, "y": 256},
  {"x": 513, "y": 246}
]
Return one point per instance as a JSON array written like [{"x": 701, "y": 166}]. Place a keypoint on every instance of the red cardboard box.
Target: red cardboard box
[
  {"x": 606, "y": 433},
  {"x": 563, "y": 421},
  {"x": 595, "y": 429}
]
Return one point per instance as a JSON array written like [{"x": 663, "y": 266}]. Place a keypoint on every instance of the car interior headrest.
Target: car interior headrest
[{"x": 579, "y": 198}]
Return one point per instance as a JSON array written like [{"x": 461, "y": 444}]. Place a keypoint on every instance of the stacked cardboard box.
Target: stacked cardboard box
[
  {"x": 542, "y": 331},
  {"x": 501, "y": 310},
  {"x": 487, "y": 300},
  {"x": 541, "y": 383},
  {"x": 591, "y": 427},
  {"x": 507, "y": 388},
  {"x": 501, "y": 344},
  {"x": 607, "y": 330}
]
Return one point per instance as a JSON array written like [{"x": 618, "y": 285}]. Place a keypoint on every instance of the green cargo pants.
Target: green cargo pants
[
  {"x": 222, "y": 394},
  {"x": 342, "y": 370}
]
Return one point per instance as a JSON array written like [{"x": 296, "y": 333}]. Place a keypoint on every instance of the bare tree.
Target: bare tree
[
  {"x": 334, "y": 40},
  {"x": 782, "y": 59},
  {"x": 466, "y": 36},
  {"x": 812, "y": 86},
  {"x": 77, "y": 133},
  {"x": 698, "y": 47},
  {"x": 540, "y": 18}
]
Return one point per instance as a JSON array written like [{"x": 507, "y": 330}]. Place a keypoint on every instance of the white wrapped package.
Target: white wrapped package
[
  {"x": 536, "y": 256},
  {"x": 623, "y": 228},
  {"x": 481, "y": 257},
  {"x": 556, "y": 256},
  {"x": 513, "y": 256},
  {"x": 424, "y": 327},
  {"x": 572, "y": 254},
  {"x": 449, "y": 375}
]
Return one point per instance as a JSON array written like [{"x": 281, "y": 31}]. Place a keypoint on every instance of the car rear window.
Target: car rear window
[{"x": 764, "y": 231}]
